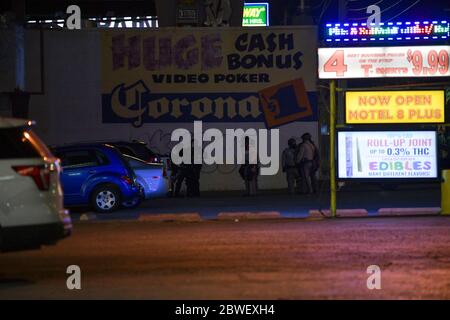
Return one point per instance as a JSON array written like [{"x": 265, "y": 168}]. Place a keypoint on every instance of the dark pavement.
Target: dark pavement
[
  {"x": 266, "y": 259},
  {"x": 353, "y": 196}
]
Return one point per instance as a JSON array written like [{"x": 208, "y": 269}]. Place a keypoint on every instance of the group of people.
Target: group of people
[
  {"x": 189, "y": 174},
  {"x": 301, "y": 163}
]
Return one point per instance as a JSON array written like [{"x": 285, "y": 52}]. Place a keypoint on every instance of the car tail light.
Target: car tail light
[
  {"x": 154, "y": 159},
  {"x": 127, "y": 179},
  {"x": 39, "y": 173}
]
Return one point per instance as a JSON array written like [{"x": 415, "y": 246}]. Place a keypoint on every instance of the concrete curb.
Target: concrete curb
[
  {"x": 340, "y": 213},
  {"x": 389, "y": 212},
  {"x": 166, "y": 217},
  {"x": 264, "y": 215},
  {"x": 247, "y": 215}
]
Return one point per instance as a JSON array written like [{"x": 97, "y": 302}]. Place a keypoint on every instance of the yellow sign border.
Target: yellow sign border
[{"x": 384, "y": 111}]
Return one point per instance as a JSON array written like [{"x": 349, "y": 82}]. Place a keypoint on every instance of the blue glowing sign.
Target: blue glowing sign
[{"x": 389, "y": 31}]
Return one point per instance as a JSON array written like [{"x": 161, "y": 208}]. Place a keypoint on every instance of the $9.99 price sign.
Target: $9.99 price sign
[{"x": 383, "y": 62}]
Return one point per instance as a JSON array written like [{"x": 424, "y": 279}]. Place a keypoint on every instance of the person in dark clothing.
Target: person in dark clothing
[
  {"x": 182, "y": 176},
  {"x": 174, "y": 172},
  {"x": 193, "y": 180},
  {"x": 249, "y": 172},
  {"x": 308, "y": 161},
  {"x": 179, "y": 175},
  {"x": 188, "y": 173},
  {"x": 290, "y": 167},
  {"x": 192, "y": 173}
]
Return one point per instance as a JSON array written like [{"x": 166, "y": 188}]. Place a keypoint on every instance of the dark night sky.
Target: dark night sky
[
  {"x": 398, "y": 10},
  {"x": 323, "y": 11}
]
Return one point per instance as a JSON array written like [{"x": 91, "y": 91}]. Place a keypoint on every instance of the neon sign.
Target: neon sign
[{"x": 389, "y": 31}]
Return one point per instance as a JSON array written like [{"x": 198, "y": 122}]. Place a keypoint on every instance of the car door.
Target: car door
[{"x": 78, "y": 165}]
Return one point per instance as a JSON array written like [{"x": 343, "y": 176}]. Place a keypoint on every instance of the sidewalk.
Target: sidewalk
[{"x": 211, "y": 204}]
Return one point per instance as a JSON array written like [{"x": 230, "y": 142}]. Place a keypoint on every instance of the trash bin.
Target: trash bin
[{"x": 445, "y": 192}]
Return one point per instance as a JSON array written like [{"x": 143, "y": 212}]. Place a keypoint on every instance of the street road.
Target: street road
[{"x": 262, "y": 259}]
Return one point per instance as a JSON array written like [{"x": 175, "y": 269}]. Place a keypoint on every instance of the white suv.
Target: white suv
[{"x": 31, "y": 200}]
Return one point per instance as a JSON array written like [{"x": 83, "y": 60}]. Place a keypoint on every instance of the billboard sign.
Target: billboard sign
[
  {"x": 387, "y": 155},
  {"x": 378, "y": 107},
  {"x": 214, "y": 75},
  {"x": 384, "y": 62},
  {"x": 156, "y": 81}
]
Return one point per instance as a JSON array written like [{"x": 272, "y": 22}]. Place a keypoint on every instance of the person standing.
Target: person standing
[
  {"x": 193, "y": 175},
  {"x": 176, "y": 180},
  {"x": 289, "y": 166},
  {"x": 197, "y": 168},
  {"x": 249, "y": 171},
  {"x": 308, "y": 161},
  {"x": 179, "y": 175}
]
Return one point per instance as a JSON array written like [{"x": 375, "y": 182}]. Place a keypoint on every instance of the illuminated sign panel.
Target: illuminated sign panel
[
  {"x": 384, "y": 62},
  {"x": 377, "y": 107},
  {"x": 389, "y": 31},
  {"x": 256, "y": 14},
  {"x": 387, "y": 155}
]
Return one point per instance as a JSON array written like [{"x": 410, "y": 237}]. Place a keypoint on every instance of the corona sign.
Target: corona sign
[
  {"x": 255, "y": 15},
  {"x": 378, "y": 107}
]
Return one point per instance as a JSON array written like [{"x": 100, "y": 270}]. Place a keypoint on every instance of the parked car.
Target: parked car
[
  {"x": 97, "y": 175},
  {"x": 149, "y": 176},
  {"x": 31, "y": 200},
  {"x": 139, "y": 149}
]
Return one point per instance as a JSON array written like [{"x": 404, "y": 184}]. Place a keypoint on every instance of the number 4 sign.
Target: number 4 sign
[
  {"x": 382, "y": 62},
  {"x": 336, "y": 64}
]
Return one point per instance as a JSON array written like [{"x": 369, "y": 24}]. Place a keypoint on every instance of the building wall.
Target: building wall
[{"x": 70, "y": 110}]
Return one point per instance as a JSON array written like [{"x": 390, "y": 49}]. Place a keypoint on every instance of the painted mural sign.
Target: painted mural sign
[{"x": 214, "y": 75}]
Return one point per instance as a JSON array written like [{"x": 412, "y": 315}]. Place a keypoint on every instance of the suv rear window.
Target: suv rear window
[{"x": 20, "y": 142}]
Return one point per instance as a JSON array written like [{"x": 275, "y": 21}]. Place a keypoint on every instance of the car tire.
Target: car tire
[{"x": 105, "y": 198}]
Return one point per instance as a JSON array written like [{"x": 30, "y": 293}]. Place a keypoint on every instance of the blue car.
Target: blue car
[{"x": 97, "y": 175}]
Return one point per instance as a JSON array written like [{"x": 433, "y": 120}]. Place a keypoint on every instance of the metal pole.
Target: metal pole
[{"x": 332, "y": 146}]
